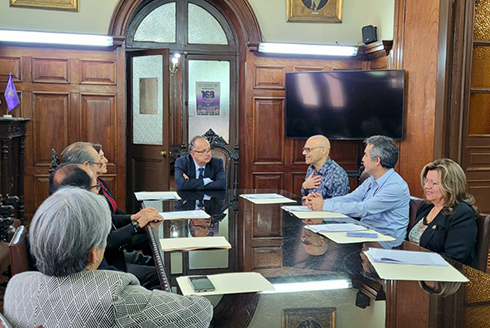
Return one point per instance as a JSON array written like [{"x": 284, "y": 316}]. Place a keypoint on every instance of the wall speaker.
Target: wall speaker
[{"x": 369, "y": 34}]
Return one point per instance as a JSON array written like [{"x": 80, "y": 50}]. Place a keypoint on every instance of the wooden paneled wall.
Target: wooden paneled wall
[
  {"x": 267, "y": 159},
  {"x": 69, "y": 95}
]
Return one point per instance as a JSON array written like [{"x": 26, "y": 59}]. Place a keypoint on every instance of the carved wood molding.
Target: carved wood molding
[{"x": 238, "y": 11}]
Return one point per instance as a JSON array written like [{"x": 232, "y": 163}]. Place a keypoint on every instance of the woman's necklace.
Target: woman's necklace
[{"x": 432, "y": 214}]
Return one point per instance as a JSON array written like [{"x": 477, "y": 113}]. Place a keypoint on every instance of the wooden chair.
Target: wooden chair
[
  {"x": 414, "y": 205},
  {"x": 19, "y": 258},
  {"x": 483, "y": 241}
]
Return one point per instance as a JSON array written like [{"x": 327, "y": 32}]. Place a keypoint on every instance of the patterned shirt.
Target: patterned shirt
[
  {"x": 417, "y": 232},
  {"x": 334, "y": 180}
]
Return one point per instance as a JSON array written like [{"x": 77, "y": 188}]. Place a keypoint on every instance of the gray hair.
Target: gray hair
[
  {"x": 384, "y": 148},
  {"x": 78, "y": 153},
  {"x": 192, "y": 144},
  {"x": 65, "y": 228}
]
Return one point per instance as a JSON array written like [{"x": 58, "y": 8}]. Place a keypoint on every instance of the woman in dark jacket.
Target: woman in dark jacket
[{"x": 446, "y": 221}]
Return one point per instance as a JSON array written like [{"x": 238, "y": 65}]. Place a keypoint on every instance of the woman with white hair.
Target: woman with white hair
[{"x": 68, "y": 238}]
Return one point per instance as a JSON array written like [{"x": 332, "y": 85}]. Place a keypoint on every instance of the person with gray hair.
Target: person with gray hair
[
  {"x": 68, "y": 239},
  {"x": 199, "y": 170},
  {"x": 382, "y": 201}
]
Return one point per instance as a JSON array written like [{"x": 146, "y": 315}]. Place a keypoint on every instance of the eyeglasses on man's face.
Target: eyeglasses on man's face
[
  {"x": 96, "y": 187},
  {"x": 100, "y": 164},
  {"x": 309, "y": 149},
  {"x": 204, "y": 151}
]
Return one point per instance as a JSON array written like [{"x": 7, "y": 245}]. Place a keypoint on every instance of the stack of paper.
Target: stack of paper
[
  {"x": 156, "y": 195},
  {"x": 195, "y": 243},
  {"x": 406, "y": 257},
  {"x": 394, "y": 270},
  {"x": 184, "y": 215},
  {"x": 229, "y": 283},
  {"x": 341, "y": 227},
  {"x": 303, "y": 212},
  {"x": 342, "y": 238},
  {"x": 267, "y": 198}
]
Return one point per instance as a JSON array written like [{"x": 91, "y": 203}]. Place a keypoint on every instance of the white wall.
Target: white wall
[{"x": 94, "y": 17}]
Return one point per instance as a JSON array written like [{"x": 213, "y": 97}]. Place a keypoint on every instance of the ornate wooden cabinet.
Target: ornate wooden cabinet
[{"x": 12, "y": 139}]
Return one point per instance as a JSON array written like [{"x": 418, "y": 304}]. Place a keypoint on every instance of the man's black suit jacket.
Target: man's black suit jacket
[{"x": 213, "y": 170}]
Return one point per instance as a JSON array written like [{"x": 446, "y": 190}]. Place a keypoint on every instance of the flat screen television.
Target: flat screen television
[{"x": 345, "y": 105}]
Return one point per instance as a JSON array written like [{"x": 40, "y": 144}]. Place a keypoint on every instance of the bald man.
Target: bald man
[{"x": 324, "y": 175}]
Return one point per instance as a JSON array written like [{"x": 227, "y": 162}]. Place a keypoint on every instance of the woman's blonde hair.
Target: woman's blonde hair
[{"x": 452, "y": 183}]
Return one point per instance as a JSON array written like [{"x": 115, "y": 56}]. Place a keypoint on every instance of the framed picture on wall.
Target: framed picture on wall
[
  {"x": 69, "y": 5},
  {"x": 308, "y": 317},
  {"x": 316, "y": 11}
]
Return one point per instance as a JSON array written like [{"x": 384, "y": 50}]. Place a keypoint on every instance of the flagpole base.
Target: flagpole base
[{"x": 7, "y": 116}]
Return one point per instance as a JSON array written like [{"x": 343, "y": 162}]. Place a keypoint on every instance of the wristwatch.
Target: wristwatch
[{"x": 136, "y": 226}]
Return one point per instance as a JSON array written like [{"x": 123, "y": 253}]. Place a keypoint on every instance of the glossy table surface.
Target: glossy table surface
[{"x": 323, "y": 284}]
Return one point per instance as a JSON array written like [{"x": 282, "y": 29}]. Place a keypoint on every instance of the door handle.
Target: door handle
[{"x": 163, "y": 153}]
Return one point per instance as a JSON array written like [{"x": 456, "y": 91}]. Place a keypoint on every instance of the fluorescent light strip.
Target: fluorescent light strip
[
  {"x": 310, "y": 286},
  {"x": 308, "y": 49},
  {"x": 56, "y": 38}
]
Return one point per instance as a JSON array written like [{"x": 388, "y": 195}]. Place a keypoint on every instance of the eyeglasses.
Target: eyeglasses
[
  {"x": 100, "y": 164},
  {"x": 205, "y": 151},
  {"x": 308, "y": 149},
  {"x": 97, "y": 187},
  {"x": 430, "y": 183}
]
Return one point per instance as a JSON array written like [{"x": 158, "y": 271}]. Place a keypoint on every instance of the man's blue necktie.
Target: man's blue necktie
[{"x": 201, "y": 173}]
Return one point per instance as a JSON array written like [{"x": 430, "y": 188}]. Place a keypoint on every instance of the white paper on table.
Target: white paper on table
[
  {"x": 261, "y": 196},
  {"x": 334, "y": 227},
  {"x": 271, "y": 200},
  {"x": 406, "y": 257},
  {"x": 229, "y": 283},
  {"x": 194, "y": 243},
  {"x": 296, "y": 208},
  {"x": 396, "y": 271},
  {"x": 156, "y": 195},
  {"x": 341, "y": 237},
  {"x": 309, "y": 214},
  {"x": 184, "y": 215}
]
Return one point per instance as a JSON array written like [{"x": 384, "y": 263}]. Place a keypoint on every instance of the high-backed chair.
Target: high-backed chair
[
  {"x": 483, "y": 241},
  {"x": 19, "y": 258},
  {"x": 414, "y": 205},
  {"x": 218, "y": 146}
]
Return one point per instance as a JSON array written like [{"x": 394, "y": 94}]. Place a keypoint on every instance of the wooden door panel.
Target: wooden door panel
[
  {"x": 144, "y": 173},
  {"x": 10, "y": 65},
  {"x": 98, "y": 122},
  {"x": 270, "y": 77},
  {"x": 267, "y": 257},
  {"x": 98, "y": 72},
  {"x": 50, "y": 70},
  {"x": 268, "y": 131},
  {"x": 267, "y": 221},
  {"x": 265, "y": 180},
  {"x": 51, "y": 117}
]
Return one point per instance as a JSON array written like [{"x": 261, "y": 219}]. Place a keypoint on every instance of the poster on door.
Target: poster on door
[{"x": 207, "y": 94}]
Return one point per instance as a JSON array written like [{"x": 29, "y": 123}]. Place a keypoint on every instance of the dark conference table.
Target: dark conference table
[{"x": 334, "y": 285}]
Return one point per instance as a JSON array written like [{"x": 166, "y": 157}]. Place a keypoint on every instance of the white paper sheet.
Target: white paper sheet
[
  {"x": 406, "y": 257},
  {"x": 156, "y": 195},
  {"x": 410, "y": 272},
  {"x": 261, "y": 196},
  {"x": 301, "y": 213},
  {"x": 333, "y": 227},
  {"x": 230, "y": 283},
  {"x": 341, "y": 237},
  {"x": 194, "y": 243},
  {"x": 184, "y": 215},
  {"x": 267, "y": 198}
]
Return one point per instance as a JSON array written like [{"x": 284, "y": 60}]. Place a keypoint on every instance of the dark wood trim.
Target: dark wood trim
[
  {"x": 398, "y": 35},
  {"x": 444, "y": 78},
  {"x": 375, "y": 50},
  {"x": 239, "y": 11}
]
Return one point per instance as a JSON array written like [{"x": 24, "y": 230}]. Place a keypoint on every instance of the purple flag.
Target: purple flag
[{"x": 11, "y": 94}]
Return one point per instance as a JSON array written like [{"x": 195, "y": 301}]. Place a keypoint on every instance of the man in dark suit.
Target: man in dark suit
[{"x": 199, "y": 170}]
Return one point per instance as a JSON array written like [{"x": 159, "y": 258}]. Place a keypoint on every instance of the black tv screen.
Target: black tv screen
[{"x": 349, "y": 105}]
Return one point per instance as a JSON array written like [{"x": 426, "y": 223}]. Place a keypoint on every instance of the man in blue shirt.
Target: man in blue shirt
[
  {"x": 324, "y": 175},
  {"x": 382, "y": 201}
]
